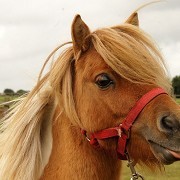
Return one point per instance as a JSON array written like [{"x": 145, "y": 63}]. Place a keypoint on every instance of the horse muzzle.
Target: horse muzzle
[{"x": 165, "y": 155}]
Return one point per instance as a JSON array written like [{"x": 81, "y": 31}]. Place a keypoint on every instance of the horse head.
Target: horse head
[{"x": 112, "y": 69}]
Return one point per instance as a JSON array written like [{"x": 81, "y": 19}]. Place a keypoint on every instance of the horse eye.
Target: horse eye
[{"x": 103, "y": 81}]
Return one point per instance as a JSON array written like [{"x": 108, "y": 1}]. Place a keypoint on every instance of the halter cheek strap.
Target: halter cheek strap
[{"x": 123, "y": 130}]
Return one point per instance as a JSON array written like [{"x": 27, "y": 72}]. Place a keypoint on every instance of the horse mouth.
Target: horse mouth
[{"x": 165, "y": 155}]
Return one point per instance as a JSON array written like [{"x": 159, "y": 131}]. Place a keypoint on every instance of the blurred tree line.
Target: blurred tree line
[
  {"x": 176, "y": 85},
  {"x": 10, "y": 92}
]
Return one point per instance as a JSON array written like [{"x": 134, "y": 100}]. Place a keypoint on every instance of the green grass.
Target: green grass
[
  {"x": 178, "y": 100},
  {"x": 6, "y": 98},
  {"x": 172, "y": 172}
]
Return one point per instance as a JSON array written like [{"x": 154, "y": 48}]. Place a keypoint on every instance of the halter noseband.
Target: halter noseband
[{"x": 123, "y": 130}]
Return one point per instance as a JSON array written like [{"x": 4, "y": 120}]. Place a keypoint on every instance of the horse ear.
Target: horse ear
[
  {"x": 133, "y": 19},
  {"x": 79, "y": 33}
]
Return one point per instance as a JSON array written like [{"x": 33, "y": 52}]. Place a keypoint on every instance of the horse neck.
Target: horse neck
[{"x": 73, "y": 157}]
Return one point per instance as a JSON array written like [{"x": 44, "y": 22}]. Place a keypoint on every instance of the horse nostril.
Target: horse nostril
[{"x": 169, "y": 124}]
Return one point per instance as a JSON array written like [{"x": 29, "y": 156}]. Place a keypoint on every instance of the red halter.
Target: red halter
[{"x": 123, "y": 130}]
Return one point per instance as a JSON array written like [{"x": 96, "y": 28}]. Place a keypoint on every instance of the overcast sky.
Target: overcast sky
[{"x": 31, "y": 29}]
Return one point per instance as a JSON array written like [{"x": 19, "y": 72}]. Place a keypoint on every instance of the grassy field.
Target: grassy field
[
  {"x": 178, "y": 100},
  {"x": 6, "y": 98},
  {"x": 172, "y": 172}
]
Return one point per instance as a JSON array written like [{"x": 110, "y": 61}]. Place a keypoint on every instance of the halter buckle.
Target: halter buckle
[
  {"x": 119, "y": 131},
  {"x": 127, "y": 132}
]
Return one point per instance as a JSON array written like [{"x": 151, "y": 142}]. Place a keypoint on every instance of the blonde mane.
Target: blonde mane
[
  {"x": 25, "y": 139},
  {"x": 132, "y": 54}
]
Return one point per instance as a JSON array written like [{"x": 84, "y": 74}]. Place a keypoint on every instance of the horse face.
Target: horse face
[
  {"x": 98, "y": 93},
  {"x": 103, "y": 99}
]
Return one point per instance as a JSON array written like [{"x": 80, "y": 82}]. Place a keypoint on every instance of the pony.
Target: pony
[{"x": 70, "y": 124}]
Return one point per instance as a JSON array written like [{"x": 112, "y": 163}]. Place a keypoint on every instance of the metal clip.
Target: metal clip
[
  {"x": 135, "y": 175},
  {"x": 85, "y": 134}
]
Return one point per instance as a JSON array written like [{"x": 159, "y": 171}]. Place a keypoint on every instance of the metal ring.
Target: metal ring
[{"x": 137, "y": 176}]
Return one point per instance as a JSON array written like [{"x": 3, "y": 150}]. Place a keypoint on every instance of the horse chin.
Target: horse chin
[{"x": 165, "y": 155}]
